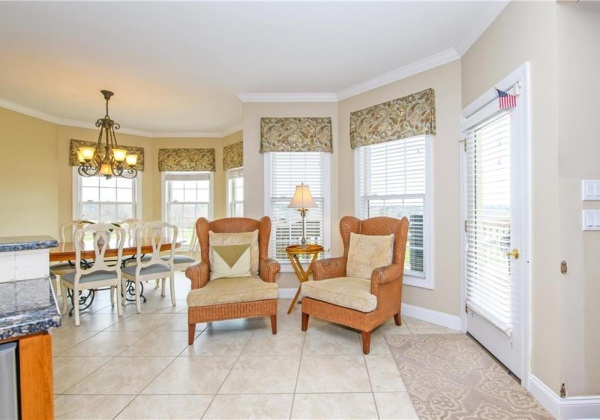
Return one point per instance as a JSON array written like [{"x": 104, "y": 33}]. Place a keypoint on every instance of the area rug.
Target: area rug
[{"x": 450, "y": 376}]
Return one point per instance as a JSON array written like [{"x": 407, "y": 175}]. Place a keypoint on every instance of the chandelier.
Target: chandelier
[{"x": 106, "y": 158}]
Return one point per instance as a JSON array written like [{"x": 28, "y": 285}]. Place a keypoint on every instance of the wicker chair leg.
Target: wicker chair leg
[
  {"x": 397, "y": 319},
  {"x": 366, "y": 339},
  {"x": 304, "y": 321},
  {"x": 274, "y": 324},
  {"x": 191, "y": 333}
]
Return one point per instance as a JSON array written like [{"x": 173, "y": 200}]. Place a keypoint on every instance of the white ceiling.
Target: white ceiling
[{"x": 182, "y": 68}]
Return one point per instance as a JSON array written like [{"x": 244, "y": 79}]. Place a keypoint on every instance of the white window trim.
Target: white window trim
[
  {"x": 427, "y": 281},
  {"x": 228, "y": 189},
  {"x": 163, "y": 196},
  {"x": 286, "y": 266},
  {"x": 76, "y": 189}
]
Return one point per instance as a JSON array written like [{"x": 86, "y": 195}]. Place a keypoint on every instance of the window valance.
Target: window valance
[
  {"x": 186, "y": 160},
  {"x": 302, "y": 134},
  {"x": 76, "y": 144},
  {"x": 409, "y": 116},
  {"x": 233, "y": 156}
]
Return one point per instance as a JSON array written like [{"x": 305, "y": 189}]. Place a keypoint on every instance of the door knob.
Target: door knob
[{"x": 514, "y": 253}]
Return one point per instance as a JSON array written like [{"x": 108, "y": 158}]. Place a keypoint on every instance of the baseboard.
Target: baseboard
[
  {"x": 434, "y": 317},
  {"x": 564, "y": 408},
  {"x": 287, "y": 293}
]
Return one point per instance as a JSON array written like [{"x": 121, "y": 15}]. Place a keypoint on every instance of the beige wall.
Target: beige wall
[
  {"x": 526, "y": 31},
  {"x": 578, "y": 26},
  {"x": 445, "y": 80}
]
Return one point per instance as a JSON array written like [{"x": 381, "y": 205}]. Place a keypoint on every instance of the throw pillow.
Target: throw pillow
[
  {"x": 230, "y": 261},
  {"x": 219, "y": 239},
  {"x": 368, "y": 252}
]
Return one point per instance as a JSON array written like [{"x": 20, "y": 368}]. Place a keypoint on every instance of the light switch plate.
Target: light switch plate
[
  {"x": 591, "y": 220},
  {"x": 590, "y": 189}
]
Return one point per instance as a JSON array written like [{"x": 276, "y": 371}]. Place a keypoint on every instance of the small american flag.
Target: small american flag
[{"x": 506, "y": 100}]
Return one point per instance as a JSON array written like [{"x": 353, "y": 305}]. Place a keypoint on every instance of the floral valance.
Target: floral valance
[
  {"x": 295, "y": 135},
  {"x": 233, "y": 156},
  {"x": 186, "y": 160},
  {"x": 412, "y": 115},
  {"x": 76, "y": 144}
]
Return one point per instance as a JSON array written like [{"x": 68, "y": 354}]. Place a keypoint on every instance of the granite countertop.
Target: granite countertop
[
  {"x": 27, "y": 307},
  {"x": 25, "y": 243}
]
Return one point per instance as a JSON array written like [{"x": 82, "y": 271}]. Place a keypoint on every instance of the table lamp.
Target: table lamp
[{"x": 302, "y": 201}]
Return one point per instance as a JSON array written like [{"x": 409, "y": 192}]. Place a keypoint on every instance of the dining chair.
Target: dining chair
[
  {"x": 99, "y": 273},
  {"x": 157, "y": 265}
]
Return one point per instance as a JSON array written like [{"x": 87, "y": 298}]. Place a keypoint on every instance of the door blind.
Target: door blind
[{"x": 488, "y": 221}]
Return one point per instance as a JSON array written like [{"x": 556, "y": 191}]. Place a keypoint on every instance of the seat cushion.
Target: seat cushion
[
  {"x": 242, "y": 238},
  {"x": 152, "y": 269},
  {"x": 368, "y": 252},
  {"x": 349, "y": 292},
  {"x": 232, "y": 290},
  {"x": 87, "y": 278}
]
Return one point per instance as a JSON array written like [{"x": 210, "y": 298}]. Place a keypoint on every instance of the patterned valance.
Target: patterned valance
[
  {"x": 295, "y": 135},
  {"x": 76, "y": 144},
  {"x": 412, "y": 115},
  {"x": 233, "y": 156},
  {"x": 186, "y": 160}
]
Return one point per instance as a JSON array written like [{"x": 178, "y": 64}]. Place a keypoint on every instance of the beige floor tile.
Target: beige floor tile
[
  {"x": 242, "y": 324},
  {"x": 384, "y": 373},
  {"x": 164, "y": 343},
  {"x": 262, "y": 374},
  {"x": 122, "y": 375},
  {"x": 292, "y": 322},
  {"x": 166, "y": 407},
  {"x": 141, "y": 322},
  {"x": 90, "y": 406},
  {"x": 163, "y": 306},
  {"x": 333, "y": 373},
  {"x": 331, "y": 339},
  {"x": 417, "y": 323},
  {"x": 334, "y": 406},
  {"x": 438, "y": 330},
  {"x": 219, "y": 343},
  {"x": 63, "y": 339},
  {"x": 284, "y": 343},
  {"x": 105, "y": 344},
  {"x": 180, "y": 323},
  {"x": 67, "y": 371},
  {"x": 395, "y": 405},
  {"x": 92, "y": 321},
  {"x": 265, "y": 406},
  {"x": 192, "y": 375}
]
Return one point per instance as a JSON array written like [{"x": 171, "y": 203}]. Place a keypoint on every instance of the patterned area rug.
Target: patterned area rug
[{"x": 450, "y": 376}]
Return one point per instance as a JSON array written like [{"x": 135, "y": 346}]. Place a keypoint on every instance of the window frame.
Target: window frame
[
  {"x": 230, "y": 203},
  {"x": 427, "y": 281}
]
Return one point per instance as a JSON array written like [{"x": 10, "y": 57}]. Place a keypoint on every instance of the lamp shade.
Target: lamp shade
[{"x": 302, "y": 198}]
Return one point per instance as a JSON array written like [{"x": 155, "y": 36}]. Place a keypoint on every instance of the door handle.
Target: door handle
[{"x": 514, "y": 253}]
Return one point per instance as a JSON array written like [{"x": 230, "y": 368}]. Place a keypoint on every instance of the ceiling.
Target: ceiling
[{"x": 184, "y": 68}]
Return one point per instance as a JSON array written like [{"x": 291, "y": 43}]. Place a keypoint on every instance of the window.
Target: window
[
  {"x": 235, "y": 192},
  {"x": 102, "y": 200},
  {"x": 283, "y": 171},
  {"x": 392, "y": 180},
  {"x": 187, "y": 196}
]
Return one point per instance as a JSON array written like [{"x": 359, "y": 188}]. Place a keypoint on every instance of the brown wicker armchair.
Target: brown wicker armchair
[
  {"x": 215, "y": 300},
  {"x": 328, "y": 300}
]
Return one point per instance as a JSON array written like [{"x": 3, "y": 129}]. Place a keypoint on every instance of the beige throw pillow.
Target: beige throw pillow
[
  {"x": 230, "y": 261},
  {"x": 368, "y": 252},
  {"x": 220, "y": 239}
]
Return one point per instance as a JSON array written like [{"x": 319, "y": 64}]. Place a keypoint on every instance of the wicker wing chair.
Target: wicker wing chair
[
  {"x": 258, "y": 302},
  {"x": 385, "y": 291}
]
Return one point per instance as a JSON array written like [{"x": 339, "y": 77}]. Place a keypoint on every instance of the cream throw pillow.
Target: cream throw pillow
[
  {"x": 230, "y": 261},
  {"x": 368, "y": 252},
  {"x": 219, "y": 239}
]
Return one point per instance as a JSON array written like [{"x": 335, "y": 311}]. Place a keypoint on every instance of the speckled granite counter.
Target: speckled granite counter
[
  {"x": 27, "y": 307},
  {"x": 26, "y": 243}
]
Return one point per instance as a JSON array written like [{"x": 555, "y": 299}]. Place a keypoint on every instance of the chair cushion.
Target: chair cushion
[
  {"x": 62, "y": 268},
  {"x": 230, "y": 261},
  {"x": 87, "y": 278},
  {"x": 368, "y": 252},
  {"x": 232, "y": 290},
  {"x": 349, "y": 292},
  {"x": 182, "y": 259},
  {"x": 152, "y": 269},
  {"x": 242, "y": 238}
]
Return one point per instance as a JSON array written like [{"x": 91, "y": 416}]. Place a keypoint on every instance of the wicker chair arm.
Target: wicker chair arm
[
  {"x": 198, "y": 274},
  {"x": 384, "y": 275},
  {"x": 268, "y": 269},
  {"x": 329, "y": 268}
]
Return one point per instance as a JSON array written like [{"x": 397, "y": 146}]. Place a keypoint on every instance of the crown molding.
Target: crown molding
[
  {"x": 287, "y": 97},
  {"x": 231, "y": 130},
  {"x": 22, "y": 109},
  {"x": 179, "y": 135},
  {"x": 402, "y": 73},
  {"x": 480, "y": 25}
]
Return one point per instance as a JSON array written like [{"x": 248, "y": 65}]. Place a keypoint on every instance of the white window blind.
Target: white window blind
[
  {"x": 488, "y": 221},
  {"x": 286, "y": 170},
  {"x": 102, "y": 200},
  {"x": 392, "y": 182},
  {"x": 235, "y": 192}
]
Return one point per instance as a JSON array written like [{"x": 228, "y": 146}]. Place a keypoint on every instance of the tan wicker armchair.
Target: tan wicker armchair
[
  {"x": 385, "y": 285},
  {"x": 237, "y": 304}
]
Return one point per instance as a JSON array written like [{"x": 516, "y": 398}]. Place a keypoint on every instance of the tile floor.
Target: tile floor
[{"x": 140, "y": 366}]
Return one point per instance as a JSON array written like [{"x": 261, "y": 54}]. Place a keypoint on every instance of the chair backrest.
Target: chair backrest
[
  {"x": 102, "y": 235},
  {"x": 130, "y": 225},
  {"x": 67, "y": 230},
  {"x": 234, "y": 225},
  {"x": 377, "y": 226},
  {"x": 159, "y": 234}
]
